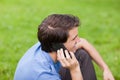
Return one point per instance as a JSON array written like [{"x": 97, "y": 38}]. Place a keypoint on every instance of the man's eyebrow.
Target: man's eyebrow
[{"x": 75, "y": 37}]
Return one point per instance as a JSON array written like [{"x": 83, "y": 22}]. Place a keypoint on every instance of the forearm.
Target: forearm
[
  {"x": 95, "y": 56},
  {"x": 107, "y": 75},
  {"x": 82, "y": 43}
]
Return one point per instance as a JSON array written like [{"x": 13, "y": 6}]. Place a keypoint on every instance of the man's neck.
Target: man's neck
[{"x": 53, "y": 55}]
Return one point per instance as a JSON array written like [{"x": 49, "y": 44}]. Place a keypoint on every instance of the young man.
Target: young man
[{"x": 58, "y": 42}]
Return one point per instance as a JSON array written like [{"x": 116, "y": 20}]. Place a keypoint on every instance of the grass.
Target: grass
[{"x": 19, "y": 20}]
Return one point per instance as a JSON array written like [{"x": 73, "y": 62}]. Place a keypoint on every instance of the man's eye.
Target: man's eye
[{"x": 73, "y": 39}]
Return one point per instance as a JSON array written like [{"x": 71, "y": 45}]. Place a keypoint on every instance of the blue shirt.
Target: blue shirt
[{"x": 36, "y": 64}]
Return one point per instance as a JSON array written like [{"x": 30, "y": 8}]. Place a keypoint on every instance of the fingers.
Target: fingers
[
  {"x": 80, "y": 43},
  {"x": 68, "y": 57},
  {"x": 59, "y": 58},
  {"x": 62, "y": 59},
  {"x": 107, "y": 75},
  {"x": 72, "y": 55},
  {"x": 69, "y": 61}
]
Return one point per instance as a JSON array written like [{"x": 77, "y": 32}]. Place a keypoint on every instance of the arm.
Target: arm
[
  {"x": 71, "y": 63},
  {"x": 82, "y": 43}
]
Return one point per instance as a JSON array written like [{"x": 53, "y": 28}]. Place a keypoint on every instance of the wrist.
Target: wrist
[
  {"x": 75, "y": 70},
  {"x": 104, "y": 67},
  {"x": 76, "y": 74}
]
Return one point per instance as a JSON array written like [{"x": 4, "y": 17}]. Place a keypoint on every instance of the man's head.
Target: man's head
[{"x": 58, "y": 28}]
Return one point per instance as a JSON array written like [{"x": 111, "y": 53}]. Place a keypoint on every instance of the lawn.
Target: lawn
[{"x": 19, "y": 19}]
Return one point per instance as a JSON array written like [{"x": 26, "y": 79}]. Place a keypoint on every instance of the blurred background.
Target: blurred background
[{"x": 19, "y": 20}]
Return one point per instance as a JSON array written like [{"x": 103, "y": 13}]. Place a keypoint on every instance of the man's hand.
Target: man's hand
[
  {"x": 107, "y": 75},
  {"x": 82, "y": 43},
  {"x": 71, "y": 63}
]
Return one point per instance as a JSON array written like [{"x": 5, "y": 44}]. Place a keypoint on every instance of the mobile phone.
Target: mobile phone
[{"x": 57, "y": 46}]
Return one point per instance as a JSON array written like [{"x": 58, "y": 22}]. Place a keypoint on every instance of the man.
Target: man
[{"x": 43, "y": 61}]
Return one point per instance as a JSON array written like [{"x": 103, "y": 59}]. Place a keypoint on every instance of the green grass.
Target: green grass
[{"x": 19, "y": 20}]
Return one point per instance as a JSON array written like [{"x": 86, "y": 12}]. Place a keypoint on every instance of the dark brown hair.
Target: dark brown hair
[{"x": 54, "y": 29}]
